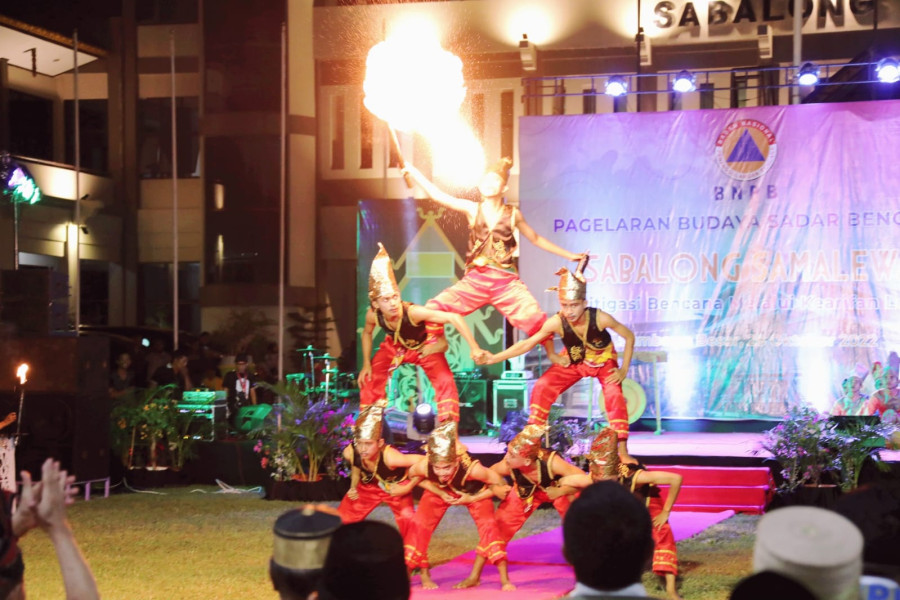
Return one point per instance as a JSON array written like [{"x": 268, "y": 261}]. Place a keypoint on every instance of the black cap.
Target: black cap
[
  {"x": 302, "y": 537},
  {"x": 241, "y": 358}
]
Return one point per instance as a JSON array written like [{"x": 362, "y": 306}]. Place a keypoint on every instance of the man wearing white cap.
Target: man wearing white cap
[{"x": 818, "y": 548}]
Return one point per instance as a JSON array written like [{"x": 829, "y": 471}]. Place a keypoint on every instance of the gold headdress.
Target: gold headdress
[
  {"x": 527, "y": 443},
  {"x": 442, "y": 443},
  {"x": 604, "y": 457},
  {"x": 381, "y": 276},
  {"x": 368, "y": 424},
  {"x": 572, "y": 286}
]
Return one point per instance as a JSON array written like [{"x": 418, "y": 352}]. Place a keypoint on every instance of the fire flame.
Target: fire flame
[
  {"x": 418, "y": 87},
  {"x": 21, "y": 373}
]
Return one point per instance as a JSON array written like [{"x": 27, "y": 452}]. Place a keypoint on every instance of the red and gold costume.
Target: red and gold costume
[
  {"x": 528, "y": 495},
  {"x": 373, "y": 490},
  {"x": 591, "y": 356},
  {"x": 491, "y": 277},
  {"x": 407, "y": 345},
  {"x": 442, "y": 448},
  {"x": 665, "y": 554}
]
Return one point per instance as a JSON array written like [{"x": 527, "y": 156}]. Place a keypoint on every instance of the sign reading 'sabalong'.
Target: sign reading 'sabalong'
[{"x": 820, "y": 15}]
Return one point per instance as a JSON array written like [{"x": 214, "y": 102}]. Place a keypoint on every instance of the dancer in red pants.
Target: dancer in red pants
[
  {"x": 605, "y": 465},
  {"x": 589, "y": 353},
  {"x": 535, "y": 472},
  {"x": 451, "y": 476},
  {"x": 378, "y": 473},
  {"x": 491, "y": 277},
  {"x": 406, "y": 341}
]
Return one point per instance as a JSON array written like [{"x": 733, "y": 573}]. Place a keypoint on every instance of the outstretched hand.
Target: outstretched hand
[
  {"x": 562, "y": 359},
  {"x": 56, "y": 493}
]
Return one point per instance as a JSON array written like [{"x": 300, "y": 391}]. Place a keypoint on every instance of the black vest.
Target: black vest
[
  {"x": 382, "y": 472},
  {"x": 596, "y": 338},
  {"x": 407, "y": 335},
  {"x": 459, "y": 484},
  {"x": 525, "y": 487},
  {"x": 492, "y": 246}
]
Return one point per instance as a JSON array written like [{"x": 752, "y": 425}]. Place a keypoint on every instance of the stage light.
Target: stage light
[
  {"x": 616, "y": 86},
  {"x": 887, "y": 70},
  {"x": 528, "y": 54},
  {"x": 684, "y": 82},
  {"x": 808, "y": 74},
  {"x": 423, "y": 418}
]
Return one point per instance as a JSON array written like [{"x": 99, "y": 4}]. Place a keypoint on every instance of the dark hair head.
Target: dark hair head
[
  {"x": 180, "y": 353},
  {"x": 293, "y": 583},
  {"x": 501, "y": 168},
  {"x": 607, "y": 537},
  {"x": 365, "y": 560},
  {"x": 771, "y": 586}
]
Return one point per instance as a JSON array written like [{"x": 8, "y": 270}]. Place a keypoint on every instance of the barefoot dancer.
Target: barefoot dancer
[
  {"x": 590, "y": 351},
  {"x": 491, "y": 276},
  {"x": 406, "y": 341},
  {"x": 453, "y": 477},
  {"x": 605, "y": 465}
]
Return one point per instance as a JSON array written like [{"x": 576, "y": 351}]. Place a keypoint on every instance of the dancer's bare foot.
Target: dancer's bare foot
[
  {"x": 427, "y": 582},
  {"x": 671, "y": 590},
  {"x": 468, "y": 582},
  {"x": 508, "y": 587}
]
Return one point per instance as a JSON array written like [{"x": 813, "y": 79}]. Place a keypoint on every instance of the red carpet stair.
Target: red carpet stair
[{"x": 714, "y": 489}]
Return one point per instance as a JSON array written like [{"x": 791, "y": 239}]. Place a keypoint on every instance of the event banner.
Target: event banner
[
  {"x": 427, "y": 244},
  {"x": 753, "y": 251}
]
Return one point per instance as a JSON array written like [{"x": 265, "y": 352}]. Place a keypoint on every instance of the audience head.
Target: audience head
[
  {"x": 769, "y": 585},
  {"x": 607, "y": 537},
  {"x": 365, "y": 560},
  {"x": 302, "y": 537},
  {"x": 818, "y": 548}
]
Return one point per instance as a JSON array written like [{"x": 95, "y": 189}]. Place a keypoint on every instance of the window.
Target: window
[
  {"x": 507, "y": 123},
  {"x": 156, "y": 295},
  {"x": 589, "y": 101},
  {"x": 365, "y": 137},
  {"x": 707, "y": 98},
  {"x": 337, "y": 133},
  {"x": 477, "y": 115},
  {"x": 93, "y": 124},
  {"x": 155, "y": 137},
  {"x": 30, "y": 125}
]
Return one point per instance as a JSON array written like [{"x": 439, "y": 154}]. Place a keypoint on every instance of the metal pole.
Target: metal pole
[
  {"x": 798, "y": 48},
  {"x": 281, "y": 213},
  {"x": 15, "y": 235},
  {"x": 174, "y": 198},
  {"x": 77, "y": 290}
]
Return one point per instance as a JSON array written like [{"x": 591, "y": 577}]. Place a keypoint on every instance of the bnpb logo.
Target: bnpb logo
[{"x": 746, "y": 149}]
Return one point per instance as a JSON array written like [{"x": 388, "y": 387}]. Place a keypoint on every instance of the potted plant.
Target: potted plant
[
  {"x": 301, "y": 440},
  {"x": 803, "y": 444},
  {"x": 859, "y": 442},
  {"x": 148, "y": 431}
]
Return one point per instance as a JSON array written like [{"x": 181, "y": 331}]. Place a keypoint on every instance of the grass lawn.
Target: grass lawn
[{"x": 195, "y": 543}]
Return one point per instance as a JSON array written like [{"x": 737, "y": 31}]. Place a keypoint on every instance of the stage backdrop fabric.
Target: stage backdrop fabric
[{"x": 756, "y": 248}]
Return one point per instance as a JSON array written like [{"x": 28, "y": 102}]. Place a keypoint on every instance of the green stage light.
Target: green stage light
[{"x": 22, "y": 188}]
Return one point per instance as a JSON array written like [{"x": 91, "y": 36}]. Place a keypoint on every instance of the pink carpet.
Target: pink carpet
[{"x": 536, "y": 565}]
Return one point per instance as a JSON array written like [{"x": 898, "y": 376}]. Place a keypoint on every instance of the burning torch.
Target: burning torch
[
  {"x": 21, "y": 373},
  {"x": 400, "y": 161}
]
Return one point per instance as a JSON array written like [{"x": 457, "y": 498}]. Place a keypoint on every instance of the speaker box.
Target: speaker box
[
  {"x": 510, "y": 394},
  {"x": 72, "y": 428},
  {"x": 473, "y": 396},
  {"x": 63, "y": 364},
  {"x": 36, "y": 301}
]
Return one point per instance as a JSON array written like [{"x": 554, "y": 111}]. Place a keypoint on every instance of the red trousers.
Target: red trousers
[
  {"x": 558, "y": 379},
  {"x": 390, "y": 355},
  {"x": 512, "y": 513},
  {"x": 429, "y": 514},
  {"x": 665, "y": 555},
  {"x": 482, "y": 286},
  {"x": 370, "y": 496}
]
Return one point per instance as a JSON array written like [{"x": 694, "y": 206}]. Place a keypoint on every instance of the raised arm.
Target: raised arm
[
  {"x": 418, "y": 314},
  {"x": 607, "y": 321},
  {"x": 438, "y": 195},
  {"x": 542, "y": 242},
  {"x": 366, "y": 337},
  {"x": 550, "y": 326}
]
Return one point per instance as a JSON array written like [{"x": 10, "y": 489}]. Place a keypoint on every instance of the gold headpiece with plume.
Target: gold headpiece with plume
[
  {"x": 572, "y": 285},
  {"x": 528, "y": 442},
  {"x": 604, "y": 457},
  {"x": 381, "y": 276},
  {"x": 368, "y": 424},
  {"x": 442, "y": 443}
]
